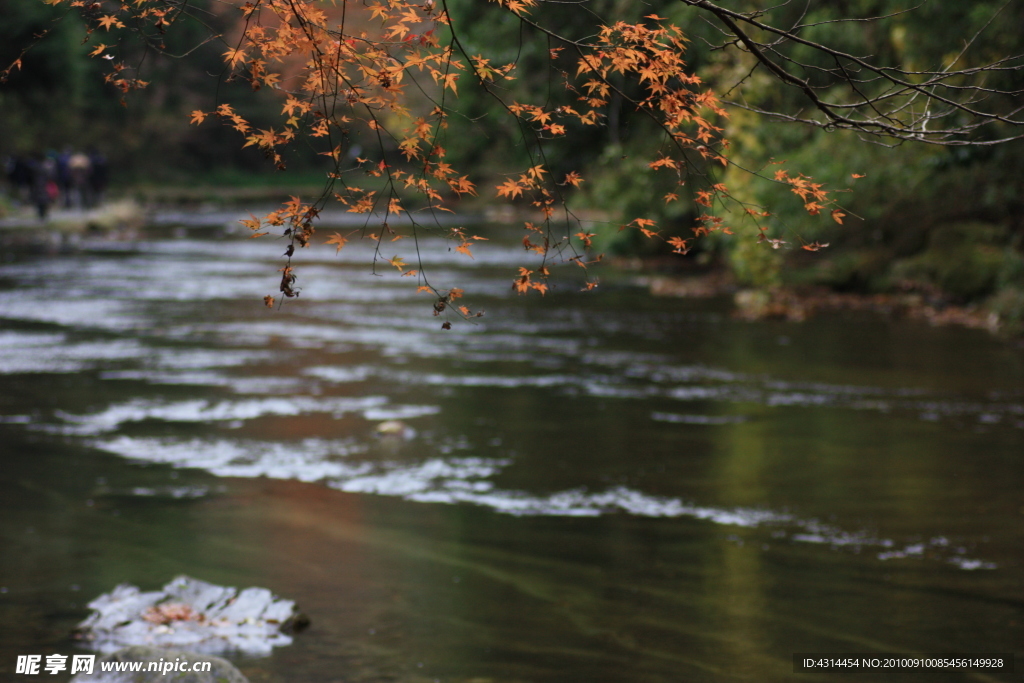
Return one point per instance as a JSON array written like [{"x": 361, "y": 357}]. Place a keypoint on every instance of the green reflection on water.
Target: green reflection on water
[{"x": 473, "y": 595}]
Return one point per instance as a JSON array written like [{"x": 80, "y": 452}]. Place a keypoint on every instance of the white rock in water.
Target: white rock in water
[
  {"x": 192, "y": 615},
  {"x": 395, "y": 428}
]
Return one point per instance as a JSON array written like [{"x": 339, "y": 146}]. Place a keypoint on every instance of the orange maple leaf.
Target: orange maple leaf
[
  {"x": 340, "y": 240},
  {"x": 510, "y": 189},
  {"x": 110, "y": 20},
  {"x": 573, "y": 178}
]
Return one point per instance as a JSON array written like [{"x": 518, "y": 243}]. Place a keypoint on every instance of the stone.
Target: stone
[{"x": 191, "y": 614}]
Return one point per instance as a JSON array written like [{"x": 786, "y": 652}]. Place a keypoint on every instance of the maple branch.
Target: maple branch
[{"x": 898, "y": 108}]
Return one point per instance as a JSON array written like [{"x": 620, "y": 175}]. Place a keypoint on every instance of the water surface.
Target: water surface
[{"x": 598, "y": 486}]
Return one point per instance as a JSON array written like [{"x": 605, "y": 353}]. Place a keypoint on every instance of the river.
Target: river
[{"x": 598, "y": 486}]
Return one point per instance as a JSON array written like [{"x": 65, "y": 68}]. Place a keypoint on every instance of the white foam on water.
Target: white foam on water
[
  {"x": 467, "y": 480},
  {"x": 240, "y": 385},
  {"x": 177, "y": 492},
  {"x": 106, "y": 314},
  {"x": 202, "y": 410},
  {"x": 53, "y": 353},
  {"x": 400, "y": 412},
  {"x": 698, "y": 419},
  {"x": 309, "y": 460}
]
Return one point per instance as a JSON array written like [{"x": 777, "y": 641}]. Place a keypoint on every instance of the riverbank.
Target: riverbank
[
  {"x": 800, "y": 304},
  {"x": 21, "y": 228}
]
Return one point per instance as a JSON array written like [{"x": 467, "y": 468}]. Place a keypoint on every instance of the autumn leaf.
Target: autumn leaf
[
  {"x": 339, "y": 240},
  {"x": 397, "y": 262},
  {"x": 586, "y": 238},
  {"x": 814, "y": 246},
  {"x": 679, "y": 245},
  {"x": 510, "y": 189},
  {"x": 573, "y": 178},
  {"x": 837, "y": 216},
  {"x": 109, "y": 21}
]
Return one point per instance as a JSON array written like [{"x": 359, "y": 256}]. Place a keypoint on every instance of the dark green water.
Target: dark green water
[{"x": 593, "y": 488}]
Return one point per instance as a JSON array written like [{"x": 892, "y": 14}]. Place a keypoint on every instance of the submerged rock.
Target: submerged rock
[
  {"x": 395, "y": 429},
  {"x": 171, "y": 666},
  {"x": 191, "y": 614}
]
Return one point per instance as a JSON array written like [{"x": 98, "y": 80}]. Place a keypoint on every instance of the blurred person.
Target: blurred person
[
  {"x": 42, "y": 184},
  {"x": 99, "y": 176},
  {"x": 80, "y": 180}
]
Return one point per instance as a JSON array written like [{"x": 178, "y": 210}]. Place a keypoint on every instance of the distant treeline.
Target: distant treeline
[{"x": 948, "y": 222}]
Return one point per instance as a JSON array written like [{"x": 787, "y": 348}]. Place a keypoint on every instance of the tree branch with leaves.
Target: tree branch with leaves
[{"x": 388, "y": 73}]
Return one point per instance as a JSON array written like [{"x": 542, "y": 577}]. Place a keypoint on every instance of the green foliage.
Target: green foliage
[
  {"x": 967, "y": 261},
  {"x": 1008, "y": 304}
]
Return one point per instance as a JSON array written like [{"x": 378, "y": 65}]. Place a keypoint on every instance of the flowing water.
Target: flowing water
[{"x": 586, "y": 487}]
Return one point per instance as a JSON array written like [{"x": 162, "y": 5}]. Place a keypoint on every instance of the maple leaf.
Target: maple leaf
[
  {"x": 340, "y": 240},
  {"x": 814, "y": 246},
  {"x": 99, "y": 50},
  {"x": 586, "y": 237},
  {"x": 572, "y": 178},
  {"x": 397, "y": 262},
  {"x": 837, "y": 216},
  {"x": 678, "y": 244},
  {"x": 510, "y": 189},
  {"x": 252, "y": 223},
  {"x": 522, "y": 283},
  {"x": 109, "y": 21},
  {"x": 268, "y": 301},
  {"x": 449, "y": 82}
]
